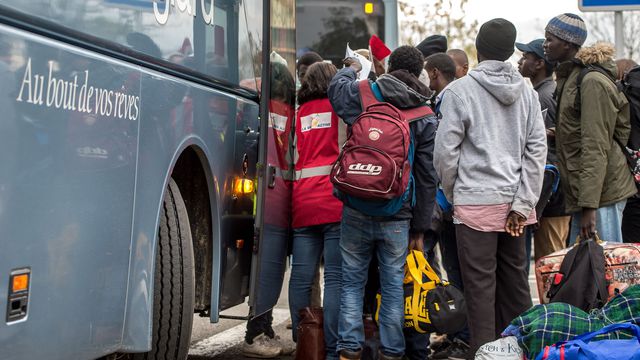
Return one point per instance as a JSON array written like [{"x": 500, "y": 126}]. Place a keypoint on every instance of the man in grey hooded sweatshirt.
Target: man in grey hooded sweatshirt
[{"x": 490, "y": 152}]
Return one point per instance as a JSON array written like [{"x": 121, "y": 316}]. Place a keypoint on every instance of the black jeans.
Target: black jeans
[
  {"x": 260, "y": 324},
  {"x": 416, "y": 344},
  {"x": 631, "y": 221},
  {"x": 451, "y": 264}
]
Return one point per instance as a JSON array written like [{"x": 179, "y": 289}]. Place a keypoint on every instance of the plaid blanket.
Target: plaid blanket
[{"x": 548, "y": 324}]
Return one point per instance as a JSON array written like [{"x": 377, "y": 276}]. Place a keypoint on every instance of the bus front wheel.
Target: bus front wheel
[{"x": 173, "y": 294}]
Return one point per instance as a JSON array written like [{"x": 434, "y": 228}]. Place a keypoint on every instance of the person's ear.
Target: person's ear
[{"x": 540, "y": 65}]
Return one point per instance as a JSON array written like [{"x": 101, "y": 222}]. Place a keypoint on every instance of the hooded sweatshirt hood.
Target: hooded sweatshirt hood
[
  {"x": 398, "y": 93},
  {"x": 500, "y": 79},
  {"x": 600, "y": 53}
]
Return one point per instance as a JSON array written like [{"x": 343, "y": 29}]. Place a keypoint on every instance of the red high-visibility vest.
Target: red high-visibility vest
[
  {"x": 278, "y": 198},
  {"x": 319, "y": 132}
]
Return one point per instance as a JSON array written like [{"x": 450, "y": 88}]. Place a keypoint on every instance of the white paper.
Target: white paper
[{"x": 366, "y": 64}]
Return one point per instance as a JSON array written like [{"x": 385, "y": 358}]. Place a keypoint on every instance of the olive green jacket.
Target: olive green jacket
[{"x": 593, "y": 168}]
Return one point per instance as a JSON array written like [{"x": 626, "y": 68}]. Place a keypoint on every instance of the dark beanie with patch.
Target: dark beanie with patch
[{"x": 496, "y": 39}]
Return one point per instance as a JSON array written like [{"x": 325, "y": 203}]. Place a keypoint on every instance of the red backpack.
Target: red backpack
[{"x": 375, "y": 161}]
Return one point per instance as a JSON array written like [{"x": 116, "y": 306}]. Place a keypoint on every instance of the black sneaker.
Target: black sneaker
[
  {"x": 459, "y": 350},
  {"x": 439, "y": 346},
  {"x": 441, "y": 351}
]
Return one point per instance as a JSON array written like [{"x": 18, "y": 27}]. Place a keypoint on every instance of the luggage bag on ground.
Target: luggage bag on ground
[
  {"x": 310, "y": 344},
  {"x": 583, "y": 348},
  {"x": 622, "y": 268}
]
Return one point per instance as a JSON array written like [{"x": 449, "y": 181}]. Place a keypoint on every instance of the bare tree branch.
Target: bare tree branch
[
  {"x": 441, "y": 17},
  {"x": 601, "y": 26}
]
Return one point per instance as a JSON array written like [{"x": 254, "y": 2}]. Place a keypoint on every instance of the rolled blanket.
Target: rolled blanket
[{"x": 548, "y": 324}]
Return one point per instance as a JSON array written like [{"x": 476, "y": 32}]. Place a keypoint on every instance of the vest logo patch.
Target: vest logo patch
[
  {"x": 277, "y": 122},
  {"x": 315, "y": 121}
]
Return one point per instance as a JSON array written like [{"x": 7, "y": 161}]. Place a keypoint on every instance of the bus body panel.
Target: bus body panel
[
  {"x": 67, "y": 196},
  {"x": 177, "y": 34},
  {"x": 210, "y": 120},
  {"x": 67, "y": 192}
]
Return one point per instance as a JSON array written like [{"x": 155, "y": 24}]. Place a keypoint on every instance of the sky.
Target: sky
[{"x": 529, "y": 17}]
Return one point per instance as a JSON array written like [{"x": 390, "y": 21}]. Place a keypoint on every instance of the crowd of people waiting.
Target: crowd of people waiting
[{"x": 478, "y": 173}]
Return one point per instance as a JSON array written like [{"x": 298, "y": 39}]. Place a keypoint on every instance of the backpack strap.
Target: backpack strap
[
  {"x": 370, "y": 94},
  {"x": 367, "y": 97},
  {"x": 587, "y": 69},
  {"x": 565, "y": 269}
]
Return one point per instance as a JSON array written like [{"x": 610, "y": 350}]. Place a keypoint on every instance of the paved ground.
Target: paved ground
[{"x": 222, "y": 341}]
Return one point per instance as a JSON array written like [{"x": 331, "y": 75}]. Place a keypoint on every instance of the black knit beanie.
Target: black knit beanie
[{"x": 496, "y": 39}]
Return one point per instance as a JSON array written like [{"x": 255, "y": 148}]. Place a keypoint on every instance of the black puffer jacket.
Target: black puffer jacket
[{"x": 345, "y": 98}]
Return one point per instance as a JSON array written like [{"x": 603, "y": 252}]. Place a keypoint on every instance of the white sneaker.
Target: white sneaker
[
  {"x": 287, "y": 345},
  {"x": 263, "y": 347}
]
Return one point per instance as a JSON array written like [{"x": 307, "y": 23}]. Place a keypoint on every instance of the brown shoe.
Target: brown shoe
[
  {"x": 382, "y": 356},
  {"x": 350, "y": 355}
]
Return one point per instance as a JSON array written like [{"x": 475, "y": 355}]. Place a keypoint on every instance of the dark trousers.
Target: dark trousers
[
  {"x": 631, "y": 221},
  {"x": 258, "y": 325},
  {"x": 451, "y": 264},
  {"x": 496, "y": 287},
  {"x": 416, "y": 344}
]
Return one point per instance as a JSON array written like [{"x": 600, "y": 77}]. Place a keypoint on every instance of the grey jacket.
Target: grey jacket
[{"x": 491, "y": 143}]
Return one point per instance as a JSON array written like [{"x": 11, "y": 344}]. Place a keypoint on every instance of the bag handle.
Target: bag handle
[
  {"x": 417, "y": 265},
  {"x": 595, "y": 238}
]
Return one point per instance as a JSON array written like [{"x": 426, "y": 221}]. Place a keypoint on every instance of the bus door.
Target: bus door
[{"x": 273, "y": 217}]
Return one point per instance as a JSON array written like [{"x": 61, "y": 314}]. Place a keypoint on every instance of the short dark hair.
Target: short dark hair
[
  {"x": 308, "y": 58},
  {"x": 444, "y": 63},
  {"x": 459, "y": 54},
  {"x": 406, "y": 58},
  {"x": 315, "y": 83}
]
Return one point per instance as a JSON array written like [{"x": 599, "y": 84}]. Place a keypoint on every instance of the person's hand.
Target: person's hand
[
  {"x": 515, "y": 224},
  {"x": 352, "y": 63},
  {"x": 378, "y": 66},
  {"x": 416, "y": 241},
  {"x": 551, "y": 133},
  {"x": 588, "y": 224}
]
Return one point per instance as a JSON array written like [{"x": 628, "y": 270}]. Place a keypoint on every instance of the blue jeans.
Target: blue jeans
[
  {"x": 309, "y": 244},
  {"x": 362, "y": 237},
  {"x": 608, "y": 223}
]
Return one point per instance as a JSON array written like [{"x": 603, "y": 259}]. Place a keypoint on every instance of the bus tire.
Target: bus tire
[{"x": 174, "y": 283}]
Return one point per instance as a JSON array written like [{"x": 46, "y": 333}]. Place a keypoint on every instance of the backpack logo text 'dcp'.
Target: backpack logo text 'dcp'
[{"x": 373, "y": 172}]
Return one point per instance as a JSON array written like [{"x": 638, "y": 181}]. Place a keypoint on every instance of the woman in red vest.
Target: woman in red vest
[{"x": 316, "y": 212}]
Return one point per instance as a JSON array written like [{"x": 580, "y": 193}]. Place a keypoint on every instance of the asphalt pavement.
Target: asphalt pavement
[{"x": 222, "y": 341}]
